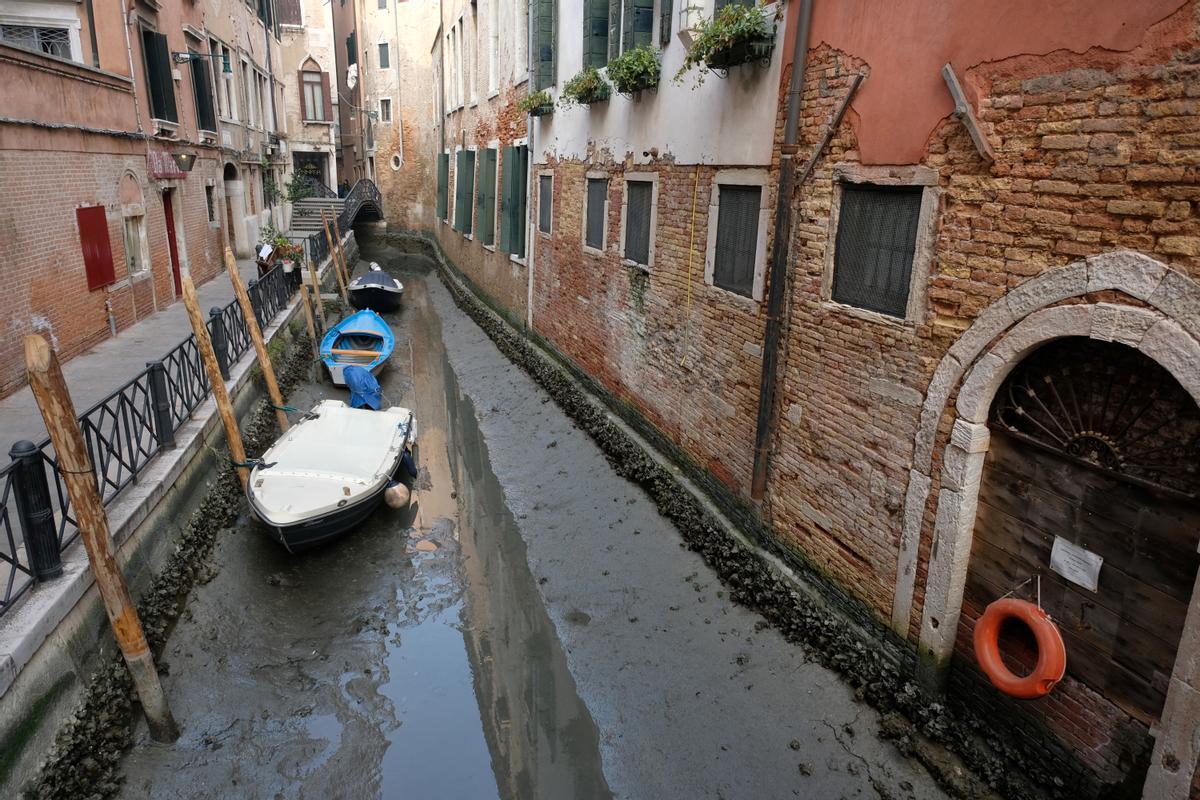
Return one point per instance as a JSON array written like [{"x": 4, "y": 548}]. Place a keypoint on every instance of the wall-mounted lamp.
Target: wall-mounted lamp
[
  {"x": 226, "y": 67},
  {"x": 185, "y": 161}
]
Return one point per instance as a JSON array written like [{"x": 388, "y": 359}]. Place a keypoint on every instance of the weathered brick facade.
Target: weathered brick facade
[{"x": 1096, "y": 153}]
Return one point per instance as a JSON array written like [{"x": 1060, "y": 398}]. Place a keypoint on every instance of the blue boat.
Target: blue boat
[{"x": 362, "y": 339}]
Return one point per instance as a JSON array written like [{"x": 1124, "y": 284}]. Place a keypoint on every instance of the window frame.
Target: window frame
[
  {"x": 594, "y": 175},
  {"x": 918, "y": 285},
  {"x": 639, "y": 177},
  {"x": 383, "y": 51},
  {"x": 305, "y": 109},
  {"x": 493, "y": 145},
  {"x": 739, "y": 177},
  {"x": 545, "y": 173},
  {"x": 388, "y": 117}
]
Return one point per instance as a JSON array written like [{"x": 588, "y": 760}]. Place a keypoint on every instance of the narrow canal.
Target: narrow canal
[{"x": 529, "y": 628}]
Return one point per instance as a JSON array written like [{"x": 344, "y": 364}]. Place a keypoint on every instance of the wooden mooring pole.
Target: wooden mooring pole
[
  {"x": 58, "y": 411},
  {"x": 337, "y": 234},
  {"x": 224, "y": 405},
  {"x": 308, "y": 319},
  {"x": 316, "y": 288},
  {"x": 333, "y": 257},
  {"x": 260, "y": 347}
]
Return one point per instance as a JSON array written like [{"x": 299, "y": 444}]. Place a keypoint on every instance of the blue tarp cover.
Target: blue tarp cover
[{"x": 364, "y": 389}]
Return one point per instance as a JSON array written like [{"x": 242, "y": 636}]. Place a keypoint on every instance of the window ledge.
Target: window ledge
[
  {"x": 629, "y": 262},
  {"x": 491, "y": 248},
  {"x": 522, "y": 80},
  {"x": 749, "y": 303},
  {"x": 592, "y": 251},
  {"x": 493, "y": 93},
  {"x": 469, "y": 236},
  {"x": 323, "y": 122},
  {"x": 518, "y": 260},
  {"x": 867, "y": 315},
  {"x": 545, "y": 235}
]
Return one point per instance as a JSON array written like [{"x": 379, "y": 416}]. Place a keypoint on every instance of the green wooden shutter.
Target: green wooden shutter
[
  {"x": 443, "y": 183},
  {"x": 460, "y": 203},
  {"x": 543, "y": 41},
  {"x": 468, "y": 190},
  {"x": 639, "y": 23},
  {"x": 614, "y": 28},
  {"x": 506, "y": 200},
  {"x": 664, "y": 23},
  {"x": 485, "y": 197},
  {"x": 520, "y": 184},
  {"x": 595, "y": 33}
]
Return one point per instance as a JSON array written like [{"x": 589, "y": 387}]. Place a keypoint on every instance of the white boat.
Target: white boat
[{"x": 328, "y": 472}]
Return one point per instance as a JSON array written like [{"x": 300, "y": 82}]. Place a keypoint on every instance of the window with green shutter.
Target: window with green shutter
[
  {"x": 544, "y": 28},
  {"x": 719, "y": 4},
  {"x": 637, "y": 27},
  {"x": 595, "y": 32},
  {"x": 737, "y": 237},
  {"x": 597, "y": 212},
  {"x": 485, "y": 198},
  {"x": 514, "y": 204},
  {"x": 443, "y": 184},
  {"x": 545, "y": 202},
  {"x": 464, "y": 189},
  {"x": 639, "y": 199},
  {"x": 664, "y": 22}
]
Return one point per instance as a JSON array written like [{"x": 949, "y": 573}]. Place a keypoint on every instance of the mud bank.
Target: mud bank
[
  {"x": 943, "y": 736},
  {"x": 84, "y": 760}
]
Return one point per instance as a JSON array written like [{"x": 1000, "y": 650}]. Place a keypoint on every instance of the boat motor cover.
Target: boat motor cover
[{"x": 364, "y": 389}]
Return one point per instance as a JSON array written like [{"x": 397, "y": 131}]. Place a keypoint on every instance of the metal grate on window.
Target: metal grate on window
[
  {"x": 597, "y": 195},
  {"x": 545, "y": 199},
  {"x": 637, "y": 220},
  {"x": 876, "y": 239},
  {"x": 52, "y": 41},
  {"x": 737, "y": 238}
]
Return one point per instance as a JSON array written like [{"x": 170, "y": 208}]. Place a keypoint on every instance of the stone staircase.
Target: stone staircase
[{"x": 306, "y": 215}]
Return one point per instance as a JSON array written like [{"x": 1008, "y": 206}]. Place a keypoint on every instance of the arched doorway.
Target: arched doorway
[
  {"x": 235, "y": 211},
  {"x": 1092, "y": 463}
]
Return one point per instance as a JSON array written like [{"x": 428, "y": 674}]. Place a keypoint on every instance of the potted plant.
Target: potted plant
[
  {"x": 537, "y": 104},
  {"x": 587, "y": 87},
  {"x": 738, "y": 34},
  {"x": 636, "y": 69}
]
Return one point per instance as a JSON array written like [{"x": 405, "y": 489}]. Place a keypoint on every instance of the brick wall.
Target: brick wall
[
  {"x": 47, "y": 285},
  {"x": 494, "y": 272}
]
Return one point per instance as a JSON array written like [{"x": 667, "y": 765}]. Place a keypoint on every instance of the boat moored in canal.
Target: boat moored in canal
[
  {"x": 362, "y": 339},
  {"x": 376, "y": 290},
  {"x": 329, "y": 472}
]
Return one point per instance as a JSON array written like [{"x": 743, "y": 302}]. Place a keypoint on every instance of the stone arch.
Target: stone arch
[
  {"x": 1167, "y": 332},
  {"x": 310, "y": 64},
  {"x": 230, "y": 172},
  {"x": 129, "y": 191},
  {"x": 1172, "y": 294}
]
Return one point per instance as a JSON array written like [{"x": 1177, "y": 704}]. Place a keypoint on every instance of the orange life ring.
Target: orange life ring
[{"x": 1052, "y": 655}]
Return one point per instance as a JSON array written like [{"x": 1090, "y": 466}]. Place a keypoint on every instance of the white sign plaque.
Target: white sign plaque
[{"x": 1075, "y": 563}]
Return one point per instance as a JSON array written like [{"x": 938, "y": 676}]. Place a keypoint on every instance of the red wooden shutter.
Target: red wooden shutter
[
  {"x": 305, "y": 111},
  {"x": 327, "y": 97},
  {"x": 97, "y": 251}
]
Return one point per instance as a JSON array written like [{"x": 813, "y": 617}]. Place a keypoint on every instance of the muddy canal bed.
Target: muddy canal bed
[{"x": 529, "y": 628}]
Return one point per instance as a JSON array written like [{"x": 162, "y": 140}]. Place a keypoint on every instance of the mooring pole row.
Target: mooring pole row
[
  {"x": 333, "y": 256},
  {"x": 58, "y": 411},
  {"x": 260, "y": 348}
]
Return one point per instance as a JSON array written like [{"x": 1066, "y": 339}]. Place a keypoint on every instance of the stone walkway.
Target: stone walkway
[{"x": 94, "y": 374}]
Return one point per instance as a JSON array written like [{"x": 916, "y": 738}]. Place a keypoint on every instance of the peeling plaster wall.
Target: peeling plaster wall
[{"x": 898, "y": 108}]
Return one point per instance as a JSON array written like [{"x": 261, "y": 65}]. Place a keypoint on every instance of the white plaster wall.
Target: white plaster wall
[{"x": 727, "y": 122}]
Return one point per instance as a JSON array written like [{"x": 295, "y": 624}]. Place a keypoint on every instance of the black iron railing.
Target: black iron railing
[
  {"x": 123, "y": 433},
  {"x": 363, "y": 195}
]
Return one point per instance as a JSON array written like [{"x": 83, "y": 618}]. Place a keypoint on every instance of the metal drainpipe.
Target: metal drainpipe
[
  {"x": 137, "y": 108},
  {"x": 779, "y": 255},
  {"x": 530, "y": 231}
]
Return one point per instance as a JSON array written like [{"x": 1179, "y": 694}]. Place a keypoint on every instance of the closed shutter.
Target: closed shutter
[
  {"x": 460, "y": 168},
  {"x": 876, "y": 239},
  {"x": 352, "y": 48},
  {"x": 614, "y": 28},
  {"x": 506, "y": 199},
  {"x": 639, "y": 195},
  {"x": 443, "y": 183},
  {"x": 737, "y": 238},
  {"x": 543, "y": 43},
  {"x": 158, "y": 76},
  {"x": 520, "y": 199},
  {"x": 639, "y": 23},
  {"x": 545, "y": 202},
  {"x": 486, "y": 198},
  {"x": 597, "y": 195},
  {"x": 664, "y": 22},
  {"x": 467, "y": 180},
  {"x": 305, "y": 111},
  {"x": 595, "y": 33},
  {"x": 202, "y": 89},
  {"x": 97, "y": 250},
  {"x": 326, "y": 97}
]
